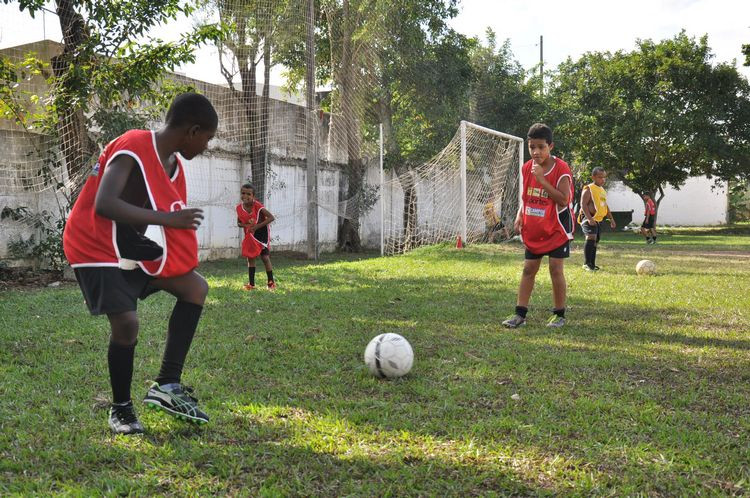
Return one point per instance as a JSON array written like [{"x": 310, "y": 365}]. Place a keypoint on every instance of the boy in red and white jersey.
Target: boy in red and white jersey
[
  {"x": 545, "y": 222},
  {"x": 254, "y": 219},
  {"x": 138, "y": 181}
]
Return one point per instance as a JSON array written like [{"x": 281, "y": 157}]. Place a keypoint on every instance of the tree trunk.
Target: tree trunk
[
  {"x": 349, "y": 227},
  {"x": 75, "y": 143}
]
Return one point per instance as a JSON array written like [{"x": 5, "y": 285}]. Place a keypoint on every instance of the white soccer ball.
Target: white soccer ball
[
  {"x": 645, "y": 267},
  {"x": 389, "y": 355}
]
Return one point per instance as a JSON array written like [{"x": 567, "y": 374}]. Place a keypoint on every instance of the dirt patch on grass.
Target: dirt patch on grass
[{"x": 25, "y": 278}]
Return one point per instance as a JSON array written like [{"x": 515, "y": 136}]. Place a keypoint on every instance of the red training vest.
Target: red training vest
[
  {"x": 545, "y": 226},
  {"x": 254, "y": 241},
  {"x": 90, "y": 240}
]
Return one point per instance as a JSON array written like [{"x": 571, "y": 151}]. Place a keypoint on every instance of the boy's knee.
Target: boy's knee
[
  {"x": 530, "y": 271},
  {"x": 124, "y": 329}
]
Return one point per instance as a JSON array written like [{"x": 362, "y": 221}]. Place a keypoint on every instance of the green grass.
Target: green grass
[{"x": 645, "y": 391}]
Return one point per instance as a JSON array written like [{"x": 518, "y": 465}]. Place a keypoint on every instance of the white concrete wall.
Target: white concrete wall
[{"x": 697, "y": 203}]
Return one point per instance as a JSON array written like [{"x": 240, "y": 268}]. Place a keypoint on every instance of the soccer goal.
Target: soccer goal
[{"x": 468, "y": 190}]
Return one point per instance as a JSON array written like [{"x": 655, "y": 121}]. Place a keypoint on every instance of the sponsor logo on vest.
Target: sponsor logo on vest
[
  {"x": 177, "y": 206},
  {"x": 530, "y": 211}
]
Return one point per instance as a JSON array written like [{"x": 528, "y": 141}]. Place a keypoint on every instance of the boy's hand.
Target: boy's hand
[
  {"x": 517, "y": 225},
  {"x": 185, "y": 218},
  {"x": 612, "y": 223},
  {"x": 537, "y": 170}
]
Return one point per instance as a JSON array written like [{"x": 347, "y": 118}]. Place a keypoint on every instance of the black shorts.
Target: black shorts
[
  {"x": 589, "y": 229},
  {"x": 109, "y": 290},
  {"x": 648, "y": 223},
  {"x": 561, "y": 252}
]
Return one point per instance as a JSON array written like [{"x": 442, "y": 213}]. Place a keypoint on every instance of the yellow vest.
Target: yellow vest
[{"x": 599, "y": 196}]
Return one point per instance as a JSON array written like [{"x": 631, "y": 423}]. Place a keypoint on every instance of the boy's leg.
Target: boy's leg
[
  {"x": 168, "y": 393},
  {"x": 557, "y": 275},
  {"x": 530, "y": 269},
  {"x": 589, "y": 251},
  {"x": 251, "y": 272},
  {"x": 122, "y": 341},
  {"x": 559, "y": 290},
  {"x": 266, "y": 258},
  {"x": 190, "y": 290}
]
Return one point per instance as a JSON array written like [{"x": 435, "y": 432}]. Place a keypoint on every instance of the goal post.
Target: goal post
[{"x": 469, "y": 189}]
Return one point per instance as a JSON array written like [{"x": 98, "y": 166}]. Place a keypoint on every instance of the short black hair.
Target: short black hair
[
  {"x": 192, "y": 109},
  {"x": 248, "y": 185},
  {"x": 597, "y": 170},
  {"x": 540, "y": 130}
]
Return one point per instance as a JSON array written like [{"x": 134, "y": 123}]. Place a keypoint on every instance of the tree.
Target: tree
[
  {"x": 104, "y": 79},
  {"x": 259, "y": 34},
  {"x": 657, "y": 115},
  {"x": 501, "y": 96}
]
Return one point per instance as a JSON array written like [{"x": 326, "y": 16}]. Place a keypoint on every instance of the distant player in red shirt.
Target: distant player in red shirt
[
  {"x": 138, "y": 181},
  {"x": 254, "y": 219},
  {"x": 648, "y": 229},
  {"x": 545, "y": 222}
]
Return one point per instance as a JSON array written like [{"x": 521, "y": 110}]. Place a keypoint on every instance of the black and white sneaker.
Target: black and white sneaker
[
  {"x": 122, "y": 419},
  {"x": 176, "y": 401}
]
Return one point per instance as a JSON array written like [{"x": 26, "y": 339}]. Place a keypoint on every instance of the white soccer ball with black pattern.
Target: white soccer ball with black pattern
[
  {"x": 645, "y": 267},
  {"x": 389, "y": 356}
]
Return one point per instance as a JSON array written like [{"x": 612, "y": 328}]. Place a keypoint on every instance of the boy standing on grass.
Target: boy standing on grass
[
  {"x": 545, "y": 222},
  {"x": 139, "y": 180},
  {"x": 254, "y": 219},
  {"x": 594, "y": 209},
  {"x": 648, "y": 229}
]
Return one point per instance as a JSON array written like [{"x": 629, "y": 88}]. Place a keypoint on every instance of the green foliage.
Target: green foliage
[
  {"x": 17, "y": 103},
  {"x": 739, "y": 201},
  {"x": 43, "y": 246},
  {"x": 657, "y": 115},
  {"x": 501, "y": 97}
]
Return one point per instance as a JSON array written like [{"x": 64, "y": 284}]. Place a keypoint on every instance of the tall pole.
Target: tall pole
[
  {"x": 463, "y": 181},
  {"x": 312, "y": 137},
  {"x": 541, "y": 62},
  {"x": 382, "y": 196}
]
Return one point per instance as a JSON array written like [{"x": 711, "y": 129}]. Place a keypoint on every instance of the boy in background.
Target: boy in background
[
  {"x": 594, "y": 209},
  {"x": 545, "y": 222},
  {"x": 254, "y": 219},
  {"x": 648, "y": 229}
]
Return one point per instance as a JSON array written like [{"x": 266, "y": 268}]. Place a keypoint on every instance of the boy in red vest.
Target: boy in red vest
[
  {"x": 648, "y": 229},
  {"x": 139, "y": 180},
  {"x": 545, "y": 222},
  {"x": 254, "y": 219}
]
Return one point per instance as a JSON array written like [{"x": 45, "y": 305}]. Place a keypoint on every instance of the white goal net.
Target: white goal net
[{"x": 468, "y": 190}]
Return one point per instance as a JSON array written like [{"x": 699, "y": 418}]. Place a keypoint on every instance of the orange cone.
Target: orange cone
[{"x": 459, "y": 243}]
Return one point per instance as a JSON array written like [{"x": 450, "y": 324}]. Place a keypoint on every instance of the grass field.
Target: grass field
[{"x": 645, "y": 391}]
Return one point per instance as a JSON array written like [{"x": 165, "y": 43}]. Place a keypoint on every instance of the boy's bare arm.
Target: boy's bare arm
[
  {"x": 561, "y": 195},
  {"x": 267, "y": 218},
  {"x": 109, "y": 204},
  {"x": 586, "y": 206}
]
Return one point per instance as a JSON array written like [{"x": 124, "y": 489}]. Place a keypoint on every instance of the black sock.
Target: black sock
[
  {"x": 593, "y": 255},
  {"x": 182, "y": 325},
  {"x": 251, "y": 274},
  {"x": 653, "y": 238},
  {"x": 521, "y": 311},
  {"x": 270, "y": 275},
  {"x": 560, "y": 312},
  {"x": 120, "y": 362},
  {"x": 588, "y": 251}
]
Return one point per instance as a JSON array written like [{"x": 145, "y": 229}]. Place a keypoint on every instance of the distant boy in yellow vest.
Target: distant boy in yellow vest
[{"x": 594, "y": 209}]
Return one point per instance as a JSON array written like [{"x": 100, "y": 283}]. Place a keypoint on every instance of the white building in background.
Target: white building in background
[{"x": 699, "y": 202}]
